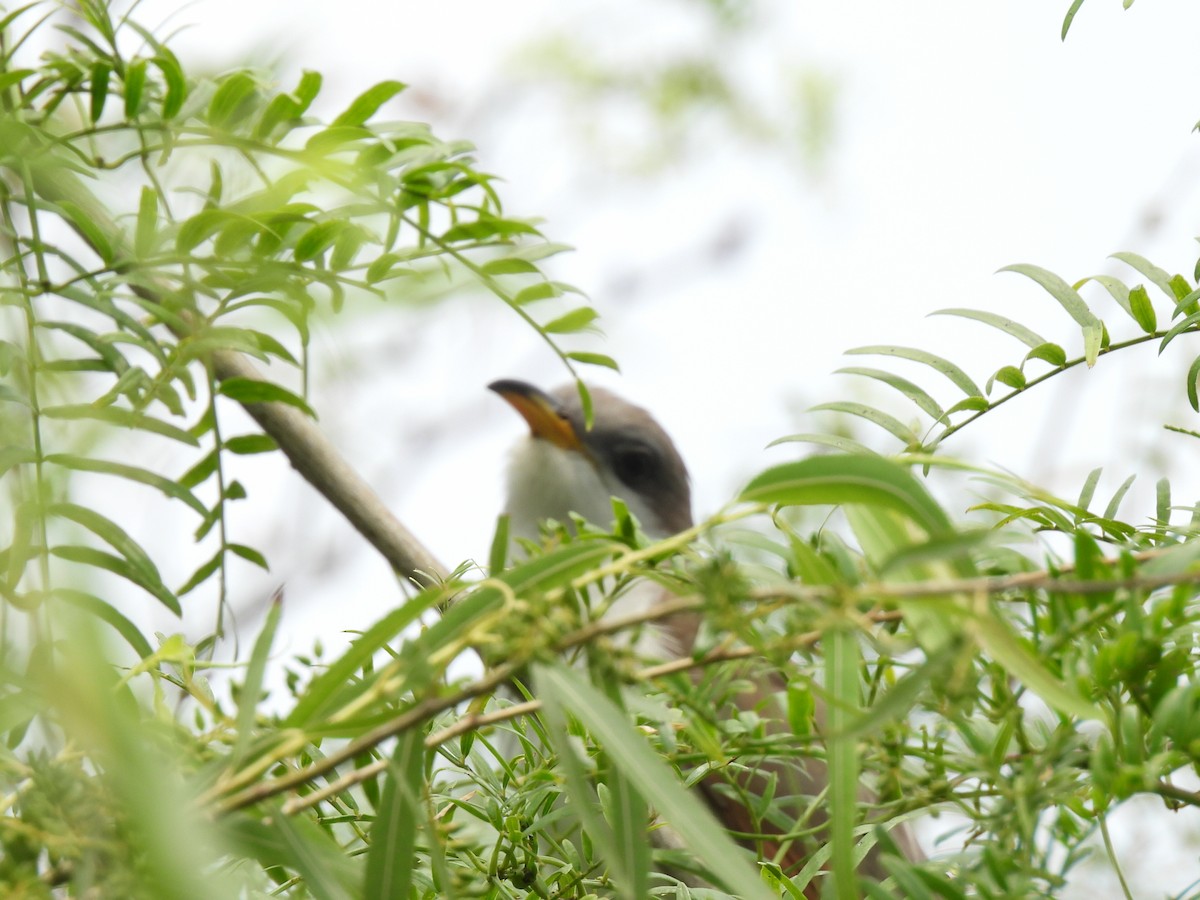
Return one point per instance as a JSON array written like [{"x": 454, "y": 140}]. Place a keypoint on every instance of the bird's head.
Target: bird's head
[{"x": 563, "y": 467}]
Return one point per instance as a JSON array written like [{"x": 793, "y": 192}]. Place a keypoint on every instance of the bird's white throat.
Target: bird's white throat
[{"x": 548, "y": 482}]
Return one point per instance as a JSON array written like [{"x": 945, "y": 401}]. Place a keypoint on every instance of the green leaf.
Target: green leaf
[
  {"x": 1158, "y": 277},
  {"x": 146, "y": 237},
  {"x": 876, "y": 416},
  {"x": 593, "y": 359},
  {"x": 1187, "y": 324},
  {"x": 1008, "y": 326},
  {"x": 998, "y": 640},
  {"x": 132, "y": 573},
  {"x": 1142, "y": 309},
  {"x": 393, "y": 837},
  {"x": 317, "y": 701},
  {"x": 575, "y": 320},
  {"x": 248, "y": 553},
  {"x": 106, "y": 613},
  {"x": 176, "y": 91},
  {"x": 368, "y": 102},
  {"x": 1070, "y": 17},
  {"x": 1070, "y": 300},
  {"x": 956, "y": 375},
  {"x": 251, "y": 695},
  {"x": 254, "y": 390},
  {"x": 300, "y": 845},
  {"x": 1110, "y": 511},
  {"x": 1193, "y": 379},
  {"x": 135, "y": 82},
  {"x": 509, "y": 265},
  {"x": 543, "y": 290},
  {"x": 88, "y": 228},
  {"x": 565, "y": 691},
  {"x": 233, "y": 100},
  {"x": 914, "y": 393},
  {"x": 870, "y": 480},
  {"x": 249, "y": 444},
  {"x": 101, "y": 73},
  {"x": 844, "y": 444},
  {"x": 1009, "y": 375},
  {"x": 1048, "y": 352},
  {"x": 121, "y": 418},
  {"x": 841, "y": 681},
  {"x": 131, "y": 473},
  {"x": 317, "y": 239},
  {"x": 1089, "y": 489}
]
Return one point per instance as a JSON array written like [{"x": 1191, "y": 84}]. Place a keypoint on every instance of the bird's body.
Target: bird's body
[{"x": 563, "y": 467}]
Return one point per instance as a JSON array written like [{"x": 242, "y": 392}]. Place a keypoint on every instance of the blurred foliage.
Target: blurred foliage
[
  {"x": 715, "y": 67},
  {"x": 1011, "y": 675}
]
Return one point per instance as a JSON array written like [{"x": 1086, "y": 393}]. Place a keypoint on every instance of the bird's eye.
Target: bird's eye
[{"x": 634, "y": 465}]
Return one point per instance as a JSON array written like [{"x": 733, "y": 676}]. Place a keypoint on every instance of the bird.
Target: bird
[{"x": 565, "y": 467}]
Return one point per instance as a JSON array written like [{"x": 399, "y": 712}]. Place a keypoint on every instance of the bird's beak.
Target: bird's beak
[{"x": 541, "y": 411}]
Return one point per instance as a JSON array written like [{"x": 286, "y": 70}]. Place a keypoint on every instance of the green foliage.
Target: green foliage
[{"x": 1013, "y": 674}]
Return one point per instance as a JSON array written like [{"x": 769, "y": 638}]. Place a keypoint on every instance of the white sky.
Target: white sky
[{"x": 968, "y": 137}]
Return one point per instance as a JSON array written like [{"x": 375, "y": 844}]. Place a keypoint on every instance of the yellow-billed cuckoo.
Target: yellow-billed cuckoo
[{"x": 563, "y": 467}]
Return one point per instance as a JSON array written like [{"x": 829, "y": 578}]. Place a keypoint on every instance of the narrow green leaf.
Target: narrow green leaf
[
  {"x": 576, "y": 320},
  {"x": 1070, "y": 17},
  {"x": 1142, "y": 309},
  {"x": 398, "y": 818},
  {"x": 1009, "y": 375},
  {"x": 1089, "y": 488},
  {"x": 87, "y": 228},
  {"x": 844, "y": 444},
  {"x": 249, "y": 554},
  {"x": 498, "y": 556},
  {"x": 233, "y": 99},
  {"x": 176, "y": 84},
  {"x": 131, "y": 473},
  {"x": 106, "y": 613},
  {"x": 997, "y": 638},
  {"x": 1162, "y": 493},
  {"x": 249, "y": 444},
  {"x": 1110, "y": 511},
  {"x": 1193, "y": 379},
  {"x": 841, "y": 681},
  {"x": 146, "y": 237},
  {"x": 109, "y": 532},
  {"x": 593, "y": 359},
  {"x": 1187, "y": 324},
  {"x": 1008, "y": 326},
  {"x": 317, "y": 239},
  {"x": 876, "y": 416},
  {"x": 543, "y": 290},
  {"x": 1066, "y": 295},
  {"x": 317, "y": 701},
  {"x": 912, "y": 391},
  {"x": 254, "y": 390},
  {"x": 509, "y": 265},
  {"x": 565, "y": 691},
  {"x": 135, "y": 82},
  {"x": 957, "y": 376},
  {"x": 101, "y": 73},
  {"x": 121, "y": 418},
  {"x": 99, "y": 559},
  {"x": 368, "y": 102},
  {"x": 251, "y": 695},
  {"x": 1158, "y": 277},
  {"x": 1049, "y": 352},
  {"x": 837, "y": 479}
]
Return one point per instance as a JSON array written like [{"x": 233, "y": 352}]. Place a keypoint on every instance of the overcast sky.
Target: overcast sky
[{"x": 731, "y": 276}]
